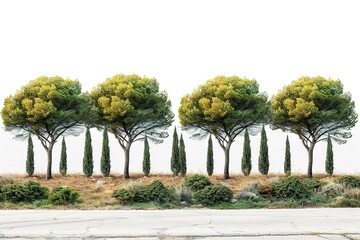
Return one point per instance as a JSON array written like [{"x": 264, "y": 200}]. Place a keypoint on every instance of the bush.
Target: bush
[
  {"x": 349, "y": 181},
  {"x": 313, "y": 184},
  {"x": 28, "y": 192},
  {"x": 123, "y": 195},
  {"x": 36, "y": 191},
  {"x": 159, "y": 193},
  {"x": 290, "y": 187},
  {"x": 332, "y": 190},
  {"x": 63, "y": 196},
  {"x": 213, "y": 194},
  {"x": 197, "y": 182},
  {"x": 185, "y": 194},
  {"x": 265, "y": 191},
  {"x": 246, "y": 196},
  {"x": 345, "y": 202},
  {"x": 353, "y": 193}
]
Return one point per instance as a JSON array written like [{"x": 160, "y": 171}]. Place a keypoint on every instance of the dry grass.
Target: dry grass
[{"x": 99, "y": 196}]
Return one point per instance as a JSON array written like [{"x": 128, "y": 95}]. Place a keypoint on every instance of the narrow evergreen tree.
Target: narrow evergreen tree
[
  {"x": 182, "y": 157},
  {"x": 105, "y": 155},
  {"x": 246, "y": 158},
  {"x": 88, "y": 164},
  {"x": 210, "y": 158},
  {"x": 63, "y": 159},
  {"x": 329, "y": 163},
  {"x": 264, "y": 154},
  {"x": 287, "y": 163},
  {"x": 175, "y": 164},
  {"x": 30, "y": 157},
  {"x": 146, "y": 159}
]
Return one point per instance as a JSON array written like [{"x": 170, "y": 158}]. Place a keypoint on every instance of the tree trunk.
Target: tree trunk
[
  {"x": 127, "y": 161},
  {"x": 227, "y": 161},
  {"x": 310, "y": 158},
  {"x": 49, "y": 165}
]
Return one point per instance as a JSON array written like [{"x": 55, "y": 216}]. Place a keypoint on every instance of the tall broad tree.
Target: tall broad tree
[
  {"x": 263, "y": 163},
  {"x": 210, "y": 157},
  {"x": 146, "y": 157},
  {"x": 131, "y": 107},
  {"x": 30, "y": 157},
  {"x": 312, "y": 108},
  {"x": 224, "y": 107},
  {"x": 182, "y": 156},
  {"x": 175, "y": 162},
  {"x": 105, "y": 164},
  {"x": 88, "y": 162},
  {"x": 287, "y": 162},
  {"x": 329, "y": 162},
  {"x": 246, "y": 158},
  {"x": 63, "y": 158},
  {"x": 47, "y": 107}
]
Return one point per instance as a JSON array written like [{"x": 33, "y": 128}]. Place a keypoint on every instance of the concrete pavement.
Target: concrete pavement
[{"x": 251, "y": 224}]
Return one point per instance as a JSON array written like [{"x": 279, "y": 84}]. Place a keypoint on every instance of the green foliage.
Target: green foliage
[
  {"x": 159, "y": 193},
  {"x": 63, "y": 158},
  {"x": 47, "y": 107},
  {"x": 332, "y": 190},
  {"x": 105, "y": 165},
  {"x": 246, "y": 158},
  {"x": 329, "y": 162},
  {"x": 132, "y": 107},
  {"x": 349, "y": 181},
  {"x": 27, "y": 192},
  {"x": 175, "y": 162},
  {"x": 63, "y": 196},
  {"x": 287, "y": 162},
  {"x": 182, "y": 157},
  {"x": 88, "y": 163},
  {"x": 210, "y": 158},
  {"x": 264, "y": 153},
  {"x": 313, "y": 184},
  {"x": 124, "y": 195},
  {"x": 213, "y": 194},
  {"x": 197, "y": 182},
  {"x": 224, "y": 107},
  {"x": 290, "y": 187},
  {"x": 345, "y": 202},
  {"x": 314, "y": 107},
  {"x": 30, "y": 157},
  {"x": 146, "y": 158}
]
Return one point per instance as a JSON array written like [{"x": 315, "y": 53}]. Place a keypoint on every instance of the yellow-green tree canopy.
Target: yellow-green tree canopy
[
  {"x": 131, "y": 107},
  {"x": 312, "y": 108},
  {"x": 47, "y": 107},
  {"x": 224, "y": 106}
]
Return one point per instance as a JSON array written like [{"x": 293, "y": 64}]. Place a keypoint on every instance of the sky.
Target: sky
[{"x": 182, "y": 44}]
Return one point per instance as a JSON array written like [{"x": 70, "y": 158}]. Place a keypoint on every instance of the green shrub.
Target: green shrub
[
  {"x": 15, "y": 193},
  {"x": 313, "y": 184},
  {"x": 332, "y": 190},
  {"x": 159, "y": 193},
  {"x": 345, "y": 202},
  {"x": 213, "y": 194},
  {"x": 123, "y": 195},
  {"x": 290, "y": 187},
  {"x": 36, "y": 191},
  {"x": 265, "y": 191},
  {"x": 197, "y": 182},
  {"x": 63, "y": 196},
  {"x": 349, "y": 181}
]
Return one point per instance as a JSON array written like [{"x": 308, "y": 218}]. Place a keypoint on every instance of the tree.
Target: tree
[
  {"x": 105, "y": 155},
  {"x": 264, "y": 153},
  {"x": 246, "y": 158},
  {"x": 63, "y": 158},
  {"x": 175, "y": 162},
  {"x": 312, "y": 108},
  {"x": 88, "y": 163},
  {"x": 329, "y": 162},
  {"x": 132, "y": 107},
  {"x": 47, "y": 107},
  {"x": 146, "y": 159},
  {"x": 210, "y": 158},
  {"x": 182, "y": 157},
  {"x": 224, "y": 107},
  {"x": 287, "y": 162},
  {"x": 30, "y": 157}
]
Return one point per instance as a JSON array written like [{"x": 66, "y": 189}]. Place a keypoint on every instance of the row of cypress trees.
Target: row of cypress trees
[{"x": 178, "y": 156}]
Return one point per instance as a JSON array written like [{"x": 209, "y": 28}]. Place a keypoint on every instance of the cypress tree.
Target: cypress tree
[
  {"x": 287, "y": 163},
  {"x": 182, "y": 157},
  {"x": 210, "y": 158},
  {"x": 146, "y": 159},
  {"x": 264, "y": 154},
  {"x": 30, "y": 157},
  {"x": 329, "y": 163},
  {"x": 88, "y": 164},
  {"x": 246, "y": 158},
  {"x": 63, "y": 158},
  {"x": 105, "y": 155},
  {"x": 175, "y": 164}
]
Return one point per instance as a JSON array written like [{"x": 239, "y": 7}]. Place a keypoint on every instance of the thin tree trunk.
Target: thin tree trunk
[
  {"x": 227, "y": 162},
  {"x": 310, "y": 158},
  {"x": 127, "y": 161},
  {"x": 49, "y": 165}
]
